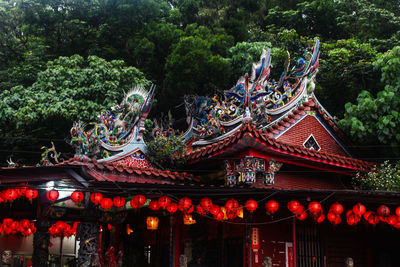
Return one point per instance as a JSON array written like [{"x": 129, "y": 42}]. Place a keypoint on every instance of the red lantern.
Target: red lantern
[
  {"x": 106, "y": 203},
  {"x": 200, "y": 210},
  {"x": 337, "y": 220},
  {"x": 392, "y": 219},
  {"x": 331, "y": 216},
  {"x": 366, "y": 214},
  {"x": 31, "y": 193},
  {"x": 141, "y": 200},
  {"x": 219, "y": 216},
  {"x": 164, "y": 201},
  {"x": 383, "y": 211},
  {"x": 336, "y": 208},
  {"x": 77, "y": 196},
  {"x": 153, "y": 205},
  {"x": 119, "y": 201},
  {"x": 185, "y": 203},
  {"x": 7, "y": 221},
  {"x": 172, "y": 208},
  {"x": 190, "y": 210},
  {"x": 293, "y": 206},
  {"x": 215, "y": 209},
  {"x": 321, "y": 218},
  {"x": 52, "y": 195},
  {"x": 251, "y": 205},
  {"x": 301, "y": 214},
  {"x": 373, "y": 219},
  {"x": 352, "y": 219},
  {"x": 272, "y": 206},
  {"x": 10, "y": 194},
  {"x": 206, "y": 203},
  {"x": 134, "y": 203},
  {"x": 359, "y": 209},
  {"x": 398, "y": 211},
  {"x": 96, "y": 197},
  {"x": 231, "y": 214},
  {"x": 231, "y": 204},
  {"x": 314, "y": 207}
]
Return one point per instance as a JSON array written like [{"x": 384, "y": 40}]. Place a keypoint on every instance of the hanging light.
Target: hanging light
[
  {"x": 215, "y": 209},
  {"x": 106, "y": 203},
  {"x": 77, "y": 196},
  {"x": 314, "y": 207},
  {"x": 240, "y": 212},
  {"x": 152, "y": 223},
  {"x": 172, "y": 208},
  {"x": 184, "y": 203},
  {"x": 31, "y": 193},
  {"x": 206, "y": 203},
  {"x": 52, "y": 195},
  {"x": 188, "y": 219},
  {"x": 96, "y": 197},
  {"x": 359, "y": 209},
  {"x": 200, "y": 210},
  {"x": 271, "y": 206},
  {"x": 119, "y": 201},
  {"x": 10, "y": 194},
  {"x": 398, "y": 211},
  {"x": 366, "y": 214},
  {"x": 153, "y": 205},
  {"x": 219, "y": 216},
  {"x": 336, "y": 208},
  {"x": 231, "y": 204},
  {"x": 383, "y": 211},
  {"x": 251, "y": 205},
  {"x": 392, "y": 219},
  {"x": 321, "y": 218},
  {"x": 294, "y": 205},
  {"x": 164, "y": 201}
]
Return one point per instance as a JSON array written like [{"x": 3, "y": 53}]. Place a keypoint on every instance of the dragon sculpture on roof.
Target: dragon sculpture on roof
[
  {"x": 118, "y": 132},
  {"x": 255, "y": 97}
]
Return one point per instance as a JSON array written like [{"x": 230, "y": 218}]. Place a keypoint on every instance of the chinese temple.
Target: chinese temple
[{"x": 265, "y": 178}]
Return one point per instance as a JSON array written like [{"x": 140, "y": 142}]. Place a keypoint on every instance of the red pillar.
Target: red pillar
[
  {"x": 177, "y": 240},
  {"x": 294, "y": 243}
]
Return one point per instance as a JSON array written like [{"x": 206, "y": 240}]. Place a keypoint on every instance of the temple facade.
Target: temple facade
[{"x": 263, "y": 177}]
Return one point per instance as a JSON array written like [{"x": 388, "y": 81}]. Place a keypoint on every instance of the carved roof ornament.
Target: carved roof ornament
[{"x": 254, "y": 98}]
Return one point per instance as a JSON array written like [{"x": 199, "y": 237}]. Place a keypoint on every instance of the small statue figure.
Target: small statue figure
[
  {"x": 182, "y": 261},
  {"x": 267, "y": 262},
  {"x": 349, "y": 262},
  {"x": 6, "y": 258}
]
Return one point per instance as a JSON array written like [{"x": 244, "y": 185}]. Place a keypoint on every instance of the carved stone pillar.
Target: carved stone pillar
[
  {"x": 87, "y": 234},
  {"x": 41, "y": 241}
]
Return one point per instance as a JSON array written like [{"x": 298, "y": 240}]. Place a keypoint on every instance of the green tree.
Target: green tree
[
  {"x": 385, "y": 177},
  {"x": 70, "y": 89},
  {"x": 375, "y": 120}
]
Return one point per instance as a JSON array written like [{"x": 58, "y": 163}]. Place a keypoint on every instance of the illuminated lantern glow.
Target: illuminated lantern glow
[
  {"x": 314, "y": 207},
  {"x": 119, "y": 201},
  {"x": 164, "y": 202},
  {"x": 231, "y": 214},
  {"x": 52, "y": 195},
  {"x": 240, "y": 212},
  {"x": 398, "y": 211},
  {"x": 106, "y": 203},
  {"x": 331, "y": 216},
  {"x": 251, "y": 205},
  {"x": 172, "y": 208},
  {"x": 153, "y": 205},
  {"x": 128, "y": 229},
  {"x": 96, "y": 197},
  {"x": 190, "y": 210},
  {"x": 77, "y": 196},
  {"x": 293, "y": 206},
  {"x": 219, "y": 216},
  {"x": 141, "y": 200},
  {"x": 152, "y": 223},
  {"x": 31, "y": 193},
  {"x": 352, "y": 219},
  {"x": 215, "y": 210},
  {"x": 231, "y": 204},
  {"x": 271, "y": 206},
  {"x": 188, "y": 219},
  {"x": 10, "y": 194},
  {"x": 392, "y": 219},
  {"x": 337, "y": 220},
  {"x": 206, "y": 203},
  {"x": 301, "y": 215},
  {"x": 383, "y": 211},
  {"x": 336, "y": 208},
  {"x": 366, "y": 214},
  {"x": 373, "y": 219},
  {"x": 185, "y": 203},
  {"x": 349, "y": 212},
  {"x": 24, "y": 223},
  {"x": 359, "y": 209},
  {"x": 321, "y": 218},
  {"x": 200, "y": 210}
]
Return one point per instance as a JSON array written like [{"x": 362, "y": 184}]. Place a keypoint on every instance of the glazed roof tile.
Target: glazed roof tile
[{"x": 270, "y": 143}]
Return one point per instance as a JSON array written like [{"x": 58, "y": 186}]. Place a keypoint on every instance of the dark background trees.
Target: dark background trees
[{"x": 189, "y": 46}]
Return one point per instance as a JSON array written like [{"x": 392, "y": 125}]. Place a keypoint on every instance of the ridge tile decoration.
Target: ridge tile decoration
[
  {"x": 254, "y": 97},
  {"x": 246, "y": 171}
]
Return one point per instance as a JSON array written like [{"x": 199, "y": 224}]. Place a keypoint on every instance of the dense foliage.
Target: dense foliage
[
  {"x": 385, "y": 177},
  {"x": 185, "y": 46}
]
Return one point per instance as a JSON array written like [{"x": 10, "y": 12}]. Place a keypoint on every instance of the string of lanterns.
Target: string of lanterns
[
  {"x": 231, "y": 210},
  {"x": 23, "y": 227}
]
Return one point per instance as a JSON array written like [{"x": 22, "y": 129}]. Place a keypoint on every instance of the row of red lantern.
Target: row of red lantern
[
  {"x": 63, "y": 229},
  {"x": 12, "y": 194},
  {"x": 23, "y": 227}
]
